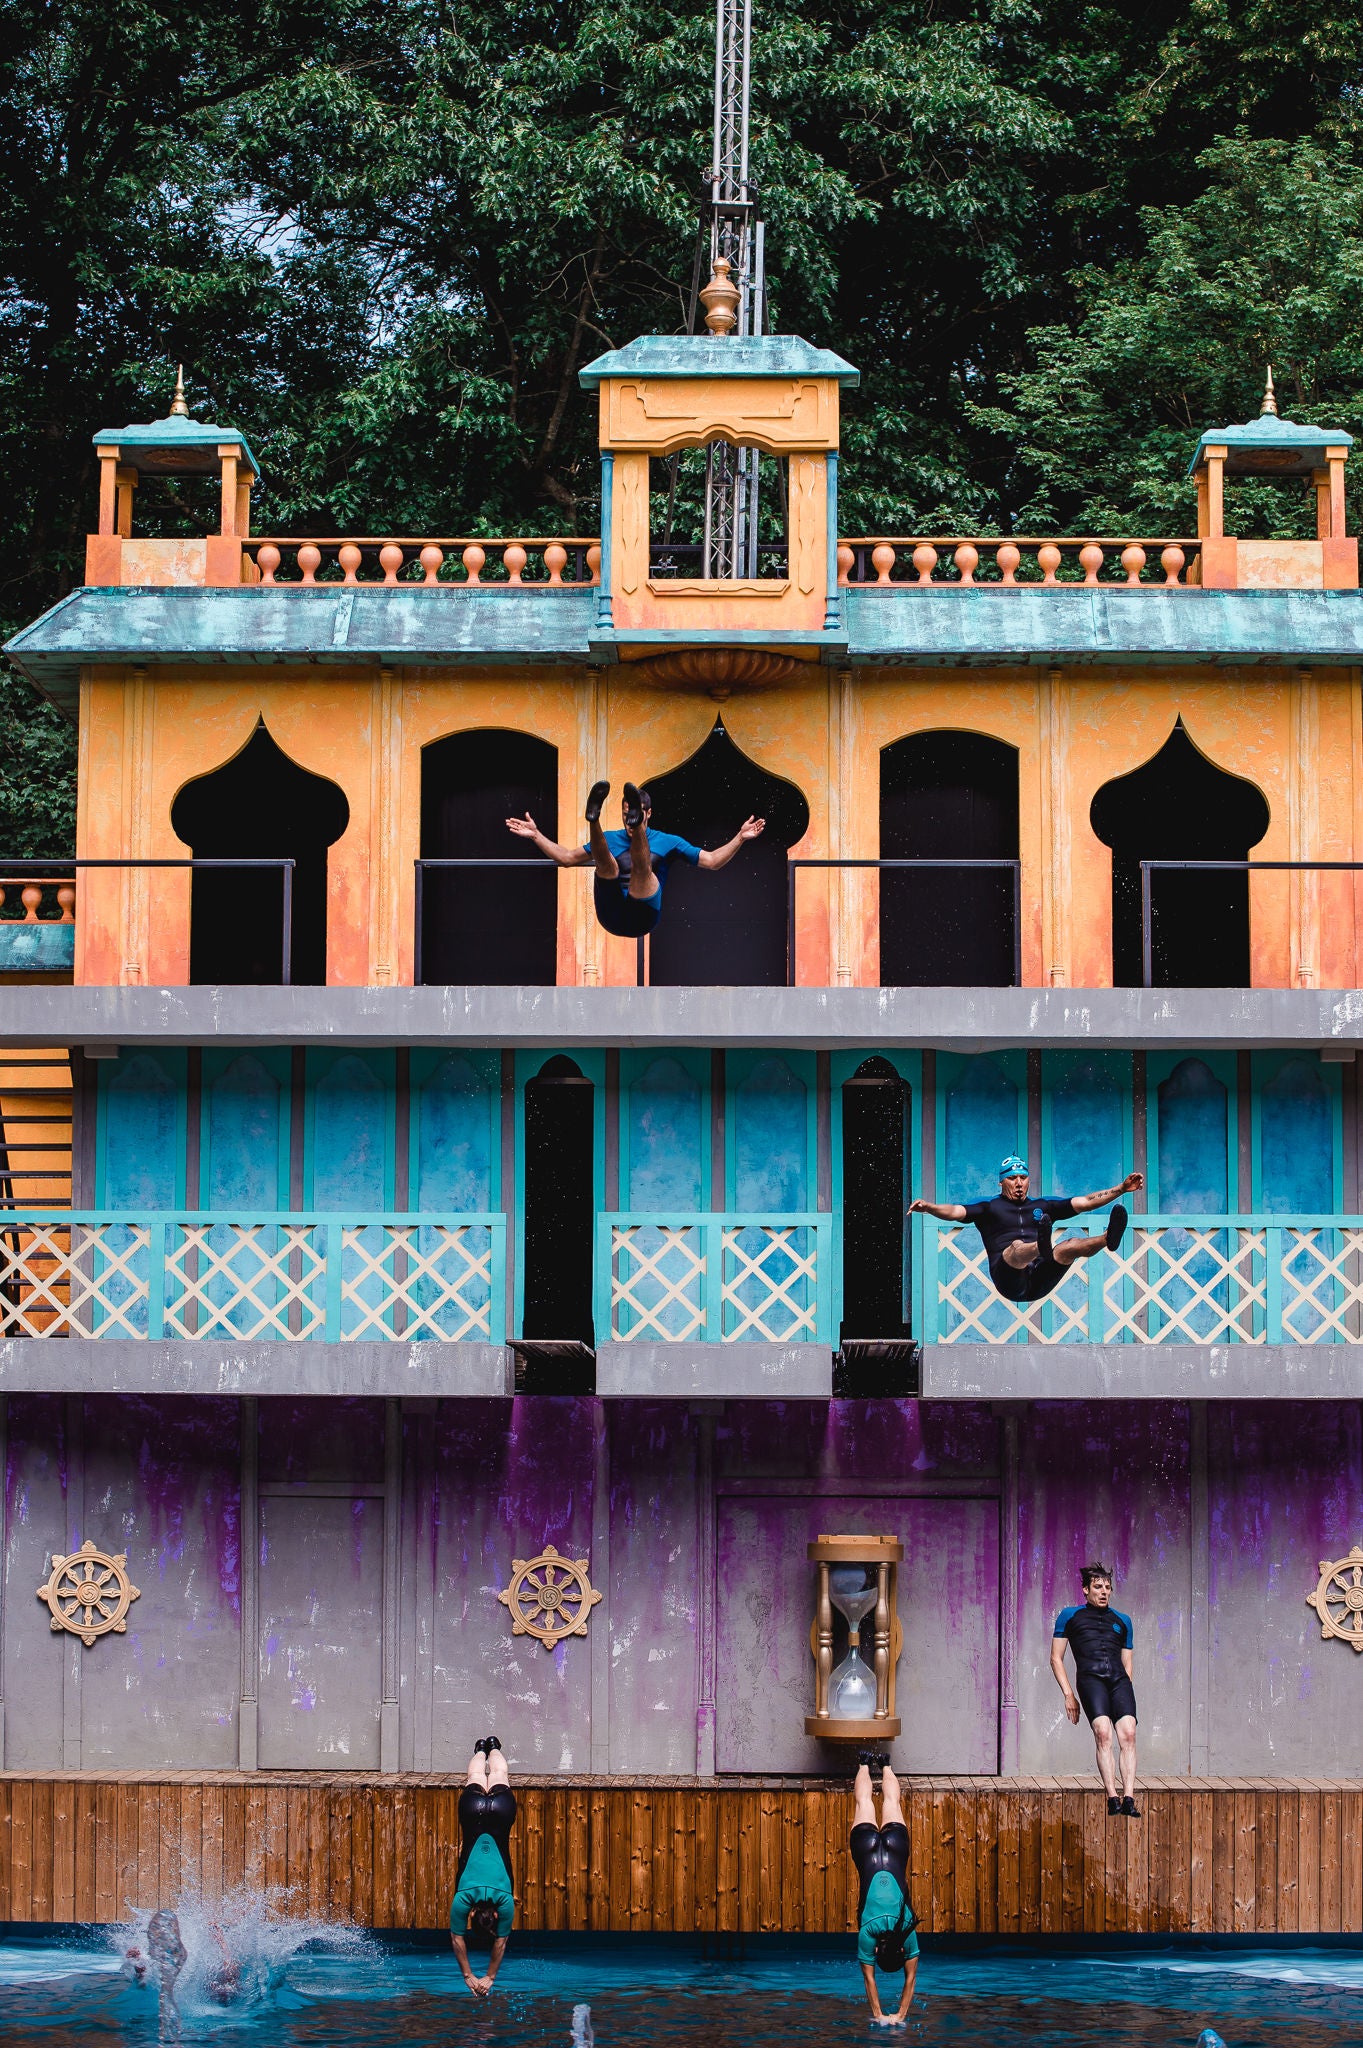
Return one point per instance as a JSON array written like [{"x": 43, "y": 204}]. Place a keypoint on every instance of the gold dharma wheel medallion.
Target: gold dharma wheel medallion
[
  {"x": 1338, "y": 1599},
  {"x": 549, "y": 1597},
  {"x": 89, "y": 1593}
]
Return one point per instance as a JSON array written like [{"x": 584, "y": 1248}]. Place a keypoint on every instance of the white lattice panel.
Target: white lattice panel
[
  {"x": 769, "y": 1288},
  {"x": 1322, "y": 1286},
  {"x": 65, "y": 1279},
  {"x": 244, "y": 1280},
  {"x": 1187, "y": 1285},
  {"x": 423, "y": 1280},
  {"x": 657, "y": 1282}
]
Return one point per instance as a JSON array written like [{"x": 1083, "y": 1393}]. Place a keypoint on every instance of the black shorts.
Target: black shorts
[
  {"x": 626, "y": 917},
  {"x": 1115, "y": 1697},
  {"x": 1026, "y": 1283},
  {"x": 485, "y": 1813},
  {"x": 875, "y": 1849}
]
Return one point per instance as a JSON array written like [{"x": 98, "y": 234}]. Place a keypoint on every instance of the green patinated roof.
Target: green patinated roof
[
  {"x": 177, "y": 439},
  {"x": 895, "y": 626},
  {"x": 719, "y": 355},
  {"x": 1302, "y": 448}
]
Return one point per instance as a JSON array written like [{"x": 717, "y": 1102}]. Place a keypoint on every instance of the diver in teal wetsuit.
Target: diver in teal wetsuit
[
  {"x": 484, "y": 1904},
  {"x": 885, "y": 1919}
]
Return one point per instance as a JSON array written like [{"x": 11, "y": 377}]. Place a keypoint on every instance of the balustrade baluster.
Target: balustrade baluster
[
  {"x": 1091, "y": 561},
  {"x": 267, "y": 561},
  {"x": 967, "y": 560},
  {"x": 594, "y": 563},
  {"x": 846, "y": 557},
  {"x": 1048, "y": 560},
  {"x": 1171, "y": 560},
  {"x": 1008, "y": 558},
  {"x": 390, "y": 561},
  {"x": 473, "y": 559},
  {"x": 431, "y": 559},
  {"x": 309, "y": 561},
  {"x": 882, "y": 561},
  {"x": 514, "y": 558},
  {"x": 349, "y": 559},
  {"x": 924, "y": 561},
  {"x": 555, "y": 561},
  {"x": 1133, "y": 561}
]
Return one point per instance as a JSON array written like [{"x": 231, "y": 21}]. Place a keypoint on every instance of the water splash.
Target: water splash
[
  {"x": 583, "y": 2036},
  {"x": 238, "y": 1949}
]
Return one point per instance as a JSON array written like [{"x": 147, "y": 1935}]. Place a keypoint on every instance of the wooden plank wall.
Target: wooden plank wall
[{"x": 1030, "y": 1856}]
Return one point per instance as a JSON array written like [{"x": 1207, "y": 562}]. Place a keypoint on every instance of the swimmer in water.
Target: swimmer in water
[
  {"x": 224, "y": 1986},
  {"x": 168, "y": 1957},
  {"x": 484, "y": 1905},
  {"x": 885, "y": 1919}
]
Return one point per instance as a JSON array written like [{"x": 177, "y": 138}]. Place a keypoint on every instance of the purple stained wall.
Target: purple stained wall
[{"x": 374, "y": 1569}]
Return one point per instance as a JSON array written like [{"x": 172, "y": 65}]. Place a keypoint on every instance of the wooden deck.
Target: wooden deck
[{"x": 989, "y": 1856}]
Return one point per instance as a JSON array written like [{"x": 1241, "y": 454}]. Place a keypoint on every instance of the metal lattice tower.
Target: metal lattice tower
[{"x": 731, "y": 474}]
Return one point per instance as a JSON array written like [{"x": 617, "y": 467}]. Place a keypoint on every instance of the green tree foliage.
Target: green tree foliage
[{"x": 386, "y": 236}]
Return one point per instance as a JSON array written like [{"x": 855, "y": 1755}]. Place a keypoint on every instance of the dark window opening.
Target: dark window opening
[
  {"x": 258, "y": 805},
  {"x": 677, "y": 502},
  {"x": 875, "y": 1179},
  {"x": 560, "y": 1202},
  {"x": 948, "y": 796},
  {"x": 725, "y": 928},
  {"x": 1180, "y": 806},
  {"x": 488, "y": 925}
]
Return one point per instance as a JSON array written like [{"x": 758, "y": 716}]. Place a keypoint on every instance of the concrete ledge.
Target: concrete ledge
[
  {"x": 1142, "y": 1372},
  {"x": 124, "y": 1365},
  {"x": 814, "y": 1019},
  {"x": 729, "y": 1372}
]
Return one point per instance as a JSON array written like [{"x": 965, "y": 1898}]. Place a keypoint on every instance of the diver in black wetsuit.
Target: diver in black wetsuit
[
  {"x": 1024, "y": 1263},
  {"x": 483, "y": 1908},
  {"x": 885, "y": 1919},
  {"x": 1103, "y": 1642}
]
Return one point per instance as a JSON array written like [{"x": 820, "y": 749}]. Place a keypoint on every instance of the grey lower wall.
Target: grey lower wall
[
  {"x": 745, "y": 1372},
  {"x": 966, "y": 1020},
  {"x": 1142, "y": 1372},
  {"x": 126, "y": 1365}
]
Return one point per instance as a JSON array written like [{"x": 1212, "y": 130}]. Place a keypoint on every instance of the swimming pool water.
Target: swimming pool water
[{"x": 63, "y": 1993}]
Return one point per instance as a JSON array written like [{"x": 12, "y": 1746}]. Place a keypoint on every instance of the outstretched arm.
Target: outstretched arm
[
  {"x": 753, "y": 828},
  {"x": 948, "y": 1212},
  {"x": 566, "y": 856},
  {"x": 1080, "y": 1203},
  {"x": 910, "y": 1979},
  {"x": 872, "y": 1994}
]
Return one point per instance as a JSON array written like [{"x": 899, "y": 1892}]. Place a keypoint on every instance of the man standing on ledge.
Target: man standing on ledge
[
  {"x": 631, "y": 866},
  {"x": 1102, "y": 1640},
  {"x": 1016, "y": 1227}
]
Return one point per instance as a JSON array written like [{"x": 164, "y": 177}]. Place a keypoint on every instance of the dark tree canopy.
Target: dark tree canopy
[{"x": 1057, "y": 239}]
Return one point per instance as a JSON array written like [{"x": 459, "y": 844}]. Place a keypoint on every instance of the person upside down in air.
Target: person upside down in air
[
  {"x": 483, "y": 1908},
  {"x": 880, "y": 1856},
  {"x": 1024, "y": 1261},
  {"x": 631, "y": 865}
]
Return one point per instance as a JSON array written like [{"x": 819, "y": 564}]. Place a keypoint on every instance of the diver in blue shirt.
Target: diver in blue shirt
[
  {"x": 631, "y": 865},
  {"x": 1103, "y": 1642}
]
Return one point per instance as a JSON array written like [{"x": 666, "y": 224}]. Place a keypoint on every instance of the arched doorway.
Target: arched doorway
[
  {"x": 491, "y": 925},
  {"x": 875, "y": 1181},
  {"x": 1180, "y": 806},
  {"x": 728, "y": 929},
  {"x": 258, "y": 805},
  {"x": 560, "y": 1202},
  {"x": 948, "y": 796}
]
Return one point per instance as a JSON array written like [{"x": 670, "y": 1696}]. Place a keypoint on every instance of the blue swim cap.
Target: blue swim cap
[{"x": 1011, "y": 1165}]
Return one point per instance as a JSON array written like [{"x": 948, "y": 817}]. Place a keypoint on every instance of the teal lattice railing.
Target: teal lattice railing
[
  {"x": 725, "y": 1278},
  {"x": 332, "y": 1278},
  {"x": 1243, "y": 1279}
]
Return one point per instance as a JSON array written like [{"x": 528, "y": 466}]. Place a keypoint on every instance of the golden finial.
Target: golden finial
[
  {"x": 1270, "y": 404},
  {"x": 179, "y": 405},
  {"x": 720, "y": 299}
]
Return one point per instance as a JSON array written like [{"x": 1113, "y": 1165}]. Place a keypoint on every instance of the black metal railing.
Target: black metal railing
[
  {"x": 1233, "y": 867},
  {"x": 58, "y": 870},
  {"x": 525, "y": 867},
  {"x": 1013, "y": 867}
]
